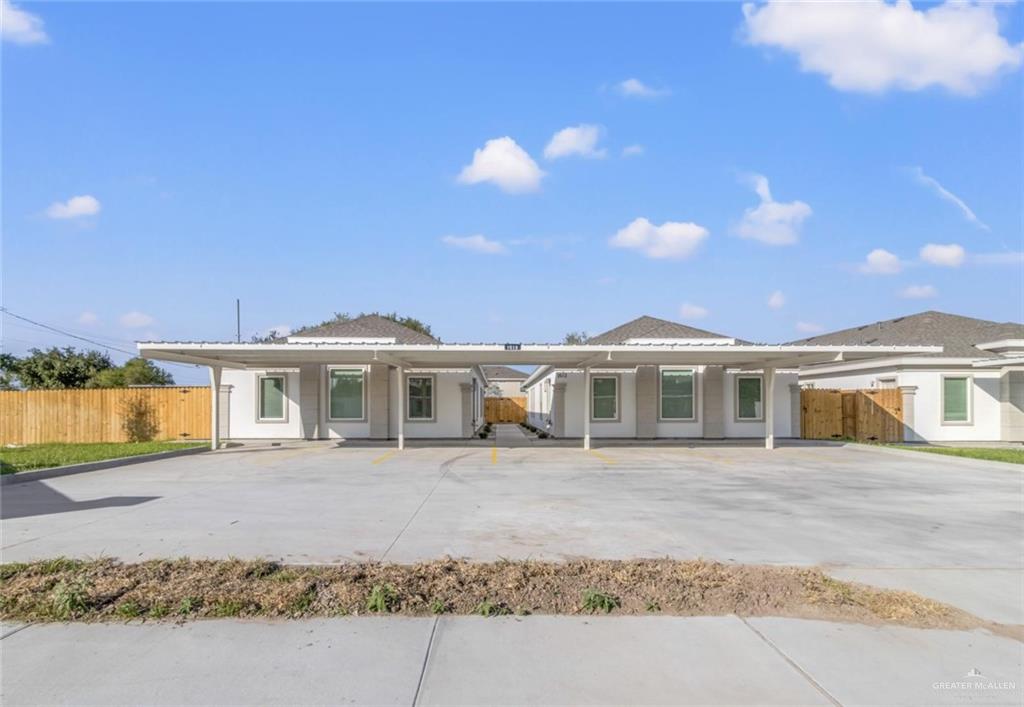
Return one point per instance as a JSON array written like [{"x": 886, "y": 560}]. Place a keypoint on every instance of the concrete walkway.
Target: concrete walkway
[
  {"x": 531, "y": 660},
  {"x": 507, "y": 435}
]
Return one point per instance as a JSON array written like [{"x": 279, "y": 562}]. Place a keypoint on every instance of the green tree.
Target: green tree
[
  {"x": 53, "y": 368},
  {"x": 575, "y": 338},
  {"x": 135, "y": 371}
]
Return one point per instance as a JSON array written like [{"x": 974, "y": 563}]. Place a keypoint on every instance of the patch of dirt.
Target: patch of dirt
[{"x": 107, "y": 590}]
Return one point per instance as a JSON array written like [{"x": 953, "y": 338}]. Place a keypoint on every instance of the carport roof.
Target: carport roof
[{"x": 290, "y": 354}]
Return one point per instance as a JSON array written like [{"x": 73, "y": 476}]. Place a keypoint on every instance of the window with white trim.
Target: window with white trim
[
  {"x": 956, "y": 403},
  {"x": 271, "y": 398},
  {"x": 604, "y": 397},
  {"x": 677, "y": 394},
  {"x": 749, "y": 398},
  {"x": 345, "y": 393},
  {"x": 421, "y": 397}
]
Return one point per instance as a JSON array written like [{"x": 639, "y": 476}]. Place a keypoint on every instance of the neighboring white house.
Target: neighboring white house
[
  {"x": 371, "y": 378},
  {"x": 328, "y": 401},
  {"x": 662, "y": 401},
  {"x": 973, "y": 390},
  {"x": 504, "y": 382}
]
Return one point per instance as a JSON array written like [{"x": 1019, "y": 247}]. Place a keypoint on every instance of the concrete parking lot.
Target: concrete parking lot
[{"x": 948, "y": 528}]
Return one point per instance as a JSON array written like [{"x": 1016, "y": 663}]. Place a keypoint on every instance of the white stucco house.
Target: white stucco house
[
  {"x": 504, "y": 382},
  {"x": 971, "y": 390},
  {"x": 675, "y": 401},
  {"x": 371, "y": 378},
  {"x": 338, "y": 400}
]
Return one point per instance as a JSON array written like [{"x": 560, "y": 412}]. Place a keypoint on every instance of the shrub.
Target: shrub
[
  {"x": 438, "y": 606},
  {"x": 595, "y": 601},
  {"x": 138, "y": 420},
  {"x": 382, "y": 599},
  {"x": 69, "y": 599}
]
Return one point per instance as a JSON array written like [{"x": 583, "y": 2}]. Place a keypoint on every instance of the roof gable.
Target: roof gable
[
  {"x": 957, "y": 335},
  {"x": 503, "y": 373},
  {"x": 368, "y": 326},
  {"x": 653, "y": 328}
]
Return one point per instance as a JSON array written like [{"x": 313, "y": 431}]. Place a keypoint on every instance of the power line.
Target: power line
[{"x": 9, "y": 313}]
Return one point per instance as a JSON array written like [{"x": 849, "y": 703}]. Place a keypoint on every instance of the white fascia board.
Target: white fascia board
[
  {"x": 540, "y": 373},
  {"x": 896, "y": 362},
  {"x": 478, "y": 371},
  {"x": 341, "y": 340},
  {"x": 1008, "y": 361},
  {"x": 682, "y": 342},
  {"x": 1005, "y": 344}
]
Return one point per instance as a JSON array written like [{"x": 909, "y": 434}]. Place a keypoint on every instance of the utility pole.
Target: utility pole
[{"x": 238, "y": 320}]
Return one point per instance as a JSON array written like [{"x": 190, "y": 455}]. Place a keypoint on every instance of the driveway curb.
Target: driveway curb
[
  {"x": 54, "y": 472},
  {"x": 967, "y": 461}
]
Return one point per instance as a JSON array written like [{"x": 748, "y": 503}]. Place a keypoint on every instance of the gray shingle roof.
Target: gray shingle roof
[
  {"x": 369, "y": 326},
  {"x": 957, "y": 335},
  {"x": 653, "y": 328},
  {"x": 504, "y": 372}
]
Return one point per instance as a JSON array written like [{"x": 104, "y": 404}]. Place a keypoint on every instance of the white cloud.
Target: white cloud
[
  {"x": 873, "y": 46},
  {"x": 75, "y": 207},
  {"x": 671, "y": 239},
  {"x": 87, "y": 318},
  {"x": 575, "y": 140},
  {"x": 881, "y": 262},
  {"x": 635, "y": 88},
  {"x": 633, "y": 150},
  {"x": 777, "y": 300},
  {"x": 809, "y": 328},
  {"x": 19, "y": 26},
  {"x": 772, "y": 222},
  {"x": 504, "y": 163},
  {"x": 692, "y": 311},
  {"x": 948, "y": 256},
  {"x": 919, "y": 292},
  {"x": 476, "y": 243},
  {"x": 949, "y": 196},
  {"x": 136, "y": 320}
]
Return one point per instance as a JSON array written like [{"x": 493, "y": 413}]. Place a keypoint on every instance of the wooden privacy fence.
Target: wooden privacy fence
[
  {"x": 505, "y": 410},
  {"x": 864, "y": 415},
  {"x": 97, "y": 414}
]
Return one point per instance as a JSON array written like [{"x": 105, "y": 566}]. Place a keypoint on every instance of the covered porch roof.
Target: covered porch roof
[{"x": 696, "y": 352}]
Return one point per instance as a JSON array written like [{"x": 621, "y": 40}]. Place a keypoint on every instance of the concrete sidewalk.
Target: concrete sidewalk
[
  {"x": 508, "y": 435},
  {"x": 531, "y": 660}
]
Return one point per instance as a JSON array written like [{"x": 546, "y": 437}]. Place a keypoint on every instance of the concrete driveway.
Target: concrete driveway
[{"x": 944, "y": 527}]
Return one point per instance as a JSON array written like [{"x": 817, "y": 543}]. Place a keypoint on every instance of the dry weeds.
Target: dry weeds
[{"x": 107, "y": 590}]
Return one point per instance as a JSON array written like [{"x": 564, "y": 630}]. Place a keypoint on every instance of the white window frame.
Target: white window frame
[
  {"x": 284, "y": 397},
  {"x": 433, "y": 397},
  {"x": 736, "y": 398},
  {"x": 693, "y": 372},
  {"x": 618, "y": 393},
  {"x": 362, "y": 373},
  {"x": 969, "y": 382}
]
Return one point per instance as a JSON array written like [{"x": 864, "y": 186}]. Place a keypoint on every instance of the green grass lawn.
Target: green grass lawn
[
  {"x": 1014, "y": 456},
  {"x": 41, "y": 456}
]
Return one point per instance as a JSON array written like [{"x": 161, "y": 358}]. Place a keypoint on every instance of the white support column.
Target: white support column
[
  {"x": 401, "y": 407},
  {"x": 586, "y": 408},
  {"x": 769, "y": 408},
  {"x": 215, "y": 372}
]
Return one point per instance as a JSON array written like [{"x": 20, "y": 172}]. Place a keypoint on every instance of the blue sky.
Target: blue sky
[{"x": 160, "y": 160}]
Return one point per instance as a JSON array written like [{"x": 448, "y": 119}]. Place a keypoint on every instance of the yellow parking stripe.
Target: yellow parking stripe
[
  {"x": 385, "y": 457},
  {"x": 603, "y": 457},
  {"x": 494, "y": 455}
]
